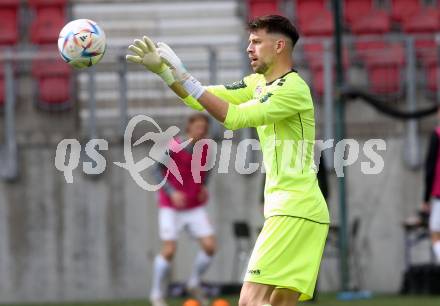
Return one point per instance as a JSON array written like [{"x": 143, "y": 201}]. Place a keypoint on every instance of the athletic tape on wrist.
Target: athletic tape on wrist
[{"x": 193, "y": 87}]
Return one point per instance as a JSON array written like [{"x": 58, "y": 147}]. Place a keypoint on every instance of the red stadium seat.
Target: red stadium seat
[
  {"x": 307, "y": 8},
  {"x": 262, "y": 7},
  {"x": 422, "y": 21},
  {"x": 384, "y": 78},
  {"x": 384, "y": 62},
  {"x": 320, "y": 24},
  {"x": 426, "y": 49},
  {"x": 363, "y": 18},
  {"x": 9, "y": 26},
  {"x": 385, "y": 73},
  {"x": 314, "y": 18},
  {"x": 372, "y": 22},
  {"x": 47, "y": 25},
  {"x": 402, "y": 9},
  {"x": 53, "y": 78},
  {"x": 9, "y": 22},
  {"x": 356, "y": 9}
]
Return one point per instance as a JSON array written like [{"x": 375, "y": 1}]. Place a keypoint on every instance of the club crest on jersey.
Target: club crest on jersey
[{"x": 258, "y": 90}]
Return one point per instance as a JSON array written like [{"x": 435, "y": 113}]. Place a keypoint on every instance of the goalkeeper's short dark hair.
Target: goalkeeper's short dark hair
[{"x": 275, "y": 24}]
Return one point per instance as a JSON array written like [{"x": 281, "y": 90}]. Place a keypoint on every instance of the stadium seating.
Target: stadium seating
[
  {"x": 385, "y": 71},
  {"x": 9, "y": 22},
  {"x": 314, "y": 18},
  {"x": 47, "y": 24},
  {"x": 402, "y": 9},
  {"x": 53, "y": 78},
  {"x": 384, "y": 62},
  {"x": 190, "y": 29},
  {"x": 423, "y": 24},
  {"x": 363, "y": 18},
  {"x": 373, "y": 22},
  {"x": 314, "y": 56},
  {"x": 356, "y": 9},
  {"x": 307, "y": 8},
  {"x": 422, "y": 21},
  {"x": 262, "y": 7}
]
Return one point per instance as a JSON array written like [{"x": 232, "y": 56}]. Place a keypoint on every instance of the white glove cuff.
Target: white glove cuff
[
  {"x": 193, "y": 87},
  {"x": 167, "y": 76}
]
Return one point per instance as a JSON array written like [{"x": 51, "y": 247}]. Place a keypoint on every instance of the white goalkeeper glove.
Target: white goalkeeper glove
[
  {"x": 192, "y": 86},
  {"x": 147, "y": 55}
]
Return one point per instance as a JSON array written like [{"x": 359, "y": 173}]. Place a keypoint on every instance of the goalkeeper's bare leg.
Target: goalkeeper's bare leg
[{"x": 254, "y": 294}]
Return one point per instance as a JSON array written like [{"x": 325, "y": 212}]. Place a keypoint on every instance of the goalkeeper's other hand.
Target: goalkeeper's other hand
[
  {"x": 172, "y": 60},
  {"x": 146, "y": 54},
  {"x": 191, "y": 84}
]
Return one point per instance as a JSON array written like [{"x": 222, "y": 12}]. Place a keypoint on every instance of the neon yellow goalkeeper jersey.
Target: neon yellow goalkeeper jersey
[{"x": 282, "y": 112}]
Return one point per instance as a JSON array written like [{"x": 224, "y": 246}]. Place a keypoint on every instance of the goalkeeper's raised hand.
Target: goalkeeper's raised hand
[{"x": 146, "y": 54}]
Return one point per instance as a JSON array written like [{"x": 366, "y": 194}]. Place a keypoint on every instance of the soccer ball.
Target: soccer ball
[{"x": 82, "y": 43}]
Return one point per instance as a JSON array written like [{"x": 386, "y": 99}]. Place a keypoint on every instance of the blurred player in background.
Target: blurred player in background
[
  {"x": 432, "y": 189},
  {"x": 284, "y": 264},
  {"x": 182, "y": 206}
]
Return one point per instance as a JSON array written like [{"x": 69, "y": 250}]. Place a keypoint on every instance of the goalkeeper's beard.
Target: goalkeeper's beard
[{"x": 261, "y": 69}]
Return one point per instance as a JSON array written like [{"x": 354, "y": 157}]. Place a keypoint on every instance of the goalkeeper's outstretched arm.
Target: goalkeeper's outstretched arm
[
  {"x": 235, "y": 107},
  {"x": 249, "y": 114},
  {"x": 213, "y": 104}
]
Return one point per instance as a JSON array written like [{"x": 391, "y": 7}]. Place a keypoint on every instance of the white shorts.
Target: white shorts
[
  {"x": 434, "y": 218},
  {"x": 172, "y": 222}
]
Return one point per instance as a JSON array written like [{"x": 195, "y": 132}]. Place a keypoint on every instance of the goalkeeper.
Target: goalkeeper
[{"x": 276, "y": 101}]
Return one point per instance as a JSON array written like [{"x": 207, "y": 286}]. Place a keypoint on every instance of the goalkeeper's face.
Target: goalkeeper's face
[{"x": 263, "y": 50}]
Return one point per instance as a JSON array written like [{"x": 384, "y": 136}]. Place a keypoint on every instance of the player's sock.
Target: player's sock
[
  {"x": 436, "y": 248},
  {"x": 161, "y": 268},
  {"x": 201, "y": 264}
]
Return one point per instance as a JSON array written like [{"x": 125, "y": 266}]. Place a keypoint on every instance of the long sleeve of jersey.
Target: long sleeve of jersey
[
  {"x": 430, "y": 165},
  {"x": 285, "y": 101},
  {"x": 235, "y": 93}
]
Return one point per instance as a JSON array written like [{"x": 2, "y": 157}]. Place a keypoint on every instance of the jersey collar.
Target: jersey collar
[{"x": 291, "y": 70}]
